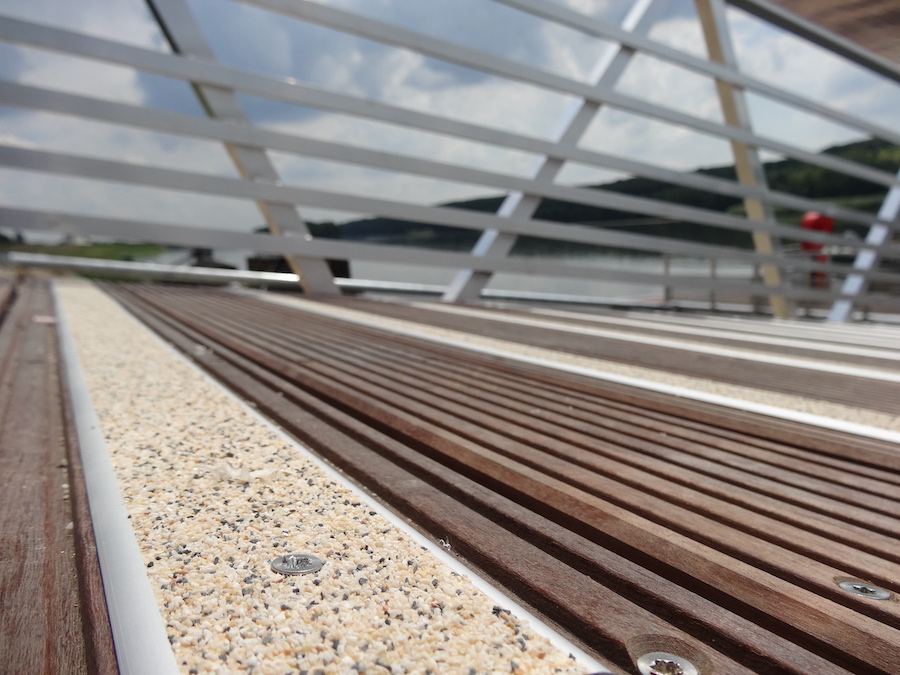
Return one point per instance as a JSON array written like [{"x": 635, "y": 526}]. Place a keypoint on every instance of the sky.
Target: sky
[{"x": 244, "y": 37}]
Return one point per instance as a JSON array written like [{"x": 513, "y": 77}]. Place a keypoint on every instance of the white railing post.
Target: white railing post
[
  {"x": 747, "y": 164},
  {"x": 468, "y": 284},
  {"x": 867, "y": 258},
  {"x": 180, "y": 28},
  {"x": 667, "y": 273}
]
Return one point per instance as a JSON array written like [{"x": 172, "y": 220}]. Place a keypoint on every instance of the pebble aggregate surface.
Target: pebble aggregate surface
[{"x": 214, "y": 495}]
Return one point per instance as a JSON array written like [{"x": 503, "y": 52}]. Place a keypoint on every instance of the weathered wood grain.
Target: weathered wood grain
[
  {"x": 853, "y": 391},
  {"x": 41, "y": 623}
]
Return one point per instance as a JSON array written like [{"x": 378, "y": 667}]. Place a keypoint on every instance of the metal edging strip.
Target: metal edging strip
[{"x": 139, "y": 634}]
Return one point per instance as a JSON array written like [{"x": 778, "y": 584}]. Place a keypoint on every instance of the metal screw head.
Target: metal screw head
[
  {"x": 662, "y": 663},
  {"x": 865, "y": 590},
  {"x": 297, "y": 563}
]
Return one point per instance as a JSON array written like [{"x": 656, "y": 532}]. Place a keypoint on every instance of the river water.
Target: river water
[{"x": 594, "y": 288}]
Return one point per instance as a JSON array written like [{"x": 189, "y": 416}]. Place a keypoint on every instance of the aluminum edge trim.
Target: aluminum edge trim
[{"x": 139, "y": 634}]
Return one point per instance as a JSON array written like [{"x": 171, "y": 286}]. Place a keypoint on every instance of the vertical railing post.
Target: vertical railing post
[
  {"x": 667, "y": 271},
  {"x": 747, "y": 164},
  {"x": 754, "y": 299},
  {"x": 185, "y": 37},
  {"x": 867, "y": 258},
  {"x": 468, "y": 284}
]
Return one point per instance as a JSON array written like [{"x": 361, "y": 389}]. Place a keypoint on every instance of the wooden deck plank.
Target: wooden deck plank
[
  {"x": 397, "y": 381},
  {"x": 876, "y": 395},
  {"x": 42, "y": 628},
  {"x": 538, "y": 416},
  {"x": 650, "y": 326},
  {"x": 862, "y": 453},
  {"x": 541, "y": 403}
]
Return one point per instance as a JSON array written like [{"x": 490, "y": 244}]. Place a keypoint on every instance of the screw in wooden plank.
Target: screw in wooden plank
[
  {"x": 662, "y": 663},
  {"x": 865, "y": 590}
]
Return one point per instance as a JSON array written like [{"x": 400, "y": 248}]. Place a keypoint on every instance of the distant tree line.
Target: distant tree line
[{"x": 788, "y": 175}]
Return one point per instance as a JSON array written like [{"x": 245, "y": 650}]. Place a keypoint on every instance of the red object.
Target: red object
[{"x": 817, "y": 223}]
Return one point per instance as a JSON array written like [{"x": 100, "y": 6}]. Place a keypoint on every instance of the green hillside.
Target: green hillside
[{"x": 786, "y": 176}]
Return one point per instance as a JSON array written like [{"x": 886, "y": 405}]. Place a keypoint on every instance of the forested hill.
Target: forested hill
[{"x": 787, "y": 176}]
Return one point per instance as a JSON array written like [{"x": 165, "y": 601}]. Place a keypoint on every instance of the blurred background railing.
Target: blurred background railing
[{"x": 649, "y": 152}]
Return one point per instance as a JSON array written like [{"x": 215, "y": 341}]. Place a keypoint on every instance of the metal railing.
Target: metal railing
[{"x": 220, "y": 87}]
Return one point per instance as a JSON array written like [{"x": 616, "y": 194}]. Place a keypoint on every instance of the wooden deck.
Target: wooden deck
[
  {"x": 653, "y": 352},
  {"x": 53, "y": 617},
  {"x": 631, "y": 520}
]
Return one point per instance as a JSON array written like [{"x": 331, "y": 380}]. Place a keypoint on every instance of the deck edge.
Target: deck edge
[{"x": 141, "y": 644}]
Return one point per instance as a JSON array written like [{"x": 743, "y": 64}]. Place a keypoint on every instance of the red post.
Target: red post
[{"x": 816, "y": 222}]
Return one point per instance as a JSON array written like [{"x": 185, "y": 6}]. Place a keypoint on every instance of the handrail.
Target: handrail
[
  {"x": 192, "y": 236},
  {"x": 54, "y": 39},
  {"x": 371, "y": 29},
  {"x": 602, "y": 29},
  {"x": 122, "y": 172},
  {"x": 201, "y": 70},
  {"x": 777, "y": 16},
  {"x": 36, "y": 98}
]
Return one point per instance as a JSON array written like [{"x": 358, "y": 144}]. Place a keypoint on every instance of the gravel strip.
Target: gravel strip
[
  {"x": 835, "y": 411},
  {"x": 214, "y": 494}
]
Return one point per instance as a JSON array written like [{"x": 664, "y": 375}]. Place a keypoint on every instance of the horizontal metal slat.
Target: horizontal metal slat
[
  {"x": 109, "y": 170},
  {"x": 356, "y": 24},
  {"x": 19, "y": 32},
  {"x": 602, "y": 29},
  {"x": 229, "y": 132}
]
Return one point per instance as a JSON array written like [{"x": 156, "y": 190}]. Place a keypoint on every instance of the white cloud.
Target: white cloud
[
  {"x": 670, "y": 86},
  {"x": 81, "y": 137},
  {"x": 17, "y": 141},
  {"x": 608, "y": 10},
  {"x": 681, "y": 30},
  {"x": 784, "y": 60},
  {"x": 489, "y": 27},
  {"x": 125, "y": 21},
  {"x": 638, "y": 138},
  {"x": 80, "y": 76}
]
